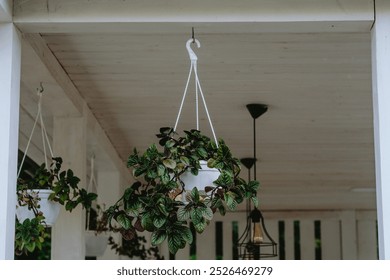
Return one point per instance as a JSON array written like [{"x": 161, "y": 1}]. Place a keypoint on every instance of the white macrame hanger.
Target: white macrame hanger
[
  {"x": 45, "y": 138},
  {"x": 198, "y": 89},
  {"x": 92, "y": 185}
]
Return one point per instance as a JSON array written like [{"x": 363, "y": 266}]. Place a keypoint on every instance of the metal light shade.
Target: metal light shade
[{"x": 257, "y": 243}]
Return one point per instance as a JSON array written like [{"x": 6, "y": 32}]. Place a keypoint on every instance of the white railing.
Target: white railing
[{"x": 346, "y": 234}]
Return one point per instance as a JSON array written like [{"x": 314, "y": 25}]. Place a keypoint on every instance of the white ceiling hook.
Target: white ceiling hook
[{"x": 191, "y": 53}]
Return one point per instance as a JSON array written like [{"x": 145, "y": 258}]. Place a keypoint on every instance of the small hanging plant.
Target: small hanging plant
[
  {"x": 30, "y": 233},
  {"x": 63, "y": 184},
  {"x": 154, "y": 202}
]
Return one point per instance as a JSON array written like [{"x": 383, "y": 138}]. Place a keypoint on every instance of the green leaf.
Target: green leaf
[
  {"x": 160, "y": 170},
  {"x": 30, "y": 247},
  {"x": 147, "y": 222},
  {"x": 255, "y": 201},
  {"x": 183, "y": 213},
  {"x": 185, "y": 160},
  {"x": 200, "y": 227},
  {"x": 225, "y": 179},
  {"x": 211, "y": 163},
  {"x": 124, "y": 221},
  {"x": 169, "y": 163},
  {"x": 163, "y": 140},
  {"x": 253, "y": 186},
  {"x": 159, "y": 221},
  {"x": 216, "y": 202},
  {"x": 195, "y": 195},
  {"x": 158, "y": 237},
  {"x": 134, "y": 209},
  {"x": 166, "y": 130},
  {"x": 175, "y": 242},
  {"x": 202, "y": 152},
  {"x": 196, "y": 215},
  {"x": 139, "y": 171},
  {"x": 133, "y": 159},
  {"x": 194, "y": 171},
  {"x": 170, "y": 143},
  {"x": 187, "y": 235},
  {"x": 128, "y": 193},
  {"x": 165, "y": 178},
  {"x": 222, "y": 210},
  {"x": 230, "y": 200},
  {"x": 207, "y": 213}
]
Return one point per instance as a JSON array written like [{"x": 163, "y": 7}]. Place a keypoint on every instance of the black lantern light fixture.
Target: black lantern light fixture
[{"x": 255, "y": 243}]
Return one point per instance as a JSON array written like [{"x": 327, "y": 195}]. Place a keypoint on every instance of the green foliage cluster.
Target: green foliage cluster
[
  {"x": 153, "y": 203},
  {"x": 30, "y": 234},
  {"x": 64, "y": 185},
  {"x": 135, "y": 248}
]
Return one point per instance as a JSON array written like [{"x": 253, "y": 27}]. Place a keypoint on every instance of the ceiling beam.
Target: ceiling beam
[
  {"x": 62, "y": 16},
  {"x": 5, "y": 10},
  {"x": 80, "y": 105},
  {"x": 50, "y": 61}
]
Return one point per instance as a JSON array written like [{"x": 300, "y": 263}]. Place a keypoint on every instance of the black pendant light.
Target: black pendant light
[{"x": 255, "y": 243}]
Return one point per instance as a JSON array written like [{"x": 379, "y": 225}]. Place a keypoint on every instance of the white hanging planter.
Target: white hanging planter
[
  {"x": 95, "y": 244},
  {"x": 205, "y": 177},
  {"x": 50, "y": 209}
]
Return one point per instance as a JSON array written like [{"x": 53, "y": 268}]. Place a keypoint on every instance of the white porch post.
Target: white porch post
[
  {"x": 69, "y": 142},
  {"x": 10, "y": 58},
  {"x": 381, "y": 102},
  {"x": 109, "y": 191}
]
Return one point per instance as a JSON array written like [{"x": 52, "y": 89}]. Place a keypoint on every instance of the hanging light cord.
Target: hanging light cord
[{"x": 198, "y": 89}]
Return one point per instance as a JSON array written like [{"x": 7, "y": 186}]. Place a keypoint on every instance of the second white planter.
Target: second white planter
[{"x": 95, "y": 244}]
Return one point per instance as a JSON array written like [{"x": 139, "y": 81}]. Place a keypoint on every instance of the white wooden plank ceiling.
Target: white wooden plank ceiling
[{"x": 315, "y": 144}]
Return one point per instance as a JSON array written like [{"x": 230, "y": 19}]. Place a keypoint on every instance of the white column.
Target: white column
[
  {"x": 381, "y": 102},
  {"x": 69, "y": 142},
  {"x": 109, "y": 186},
  {"x": 10, "y": 56},
  {"x": 348, "y": 235}
]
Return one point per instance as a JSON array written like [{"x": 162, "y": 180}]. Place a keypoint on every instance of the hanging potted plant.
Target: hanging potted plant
[
  {"x": 47, "y": 190},
  {"x": 35, "y": 211},
  {"x": 168, "y": 193},
  {"x": 154, "y": 202},
  {"x": 40, "y": 196},
  {"x": 97, "y": 232},
  {"x": 43, "y": 193}
]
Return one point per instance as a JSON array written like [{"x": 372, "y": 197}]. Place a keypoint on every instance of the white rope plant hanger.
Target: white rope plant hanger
[
  {"x": 92, "y": 186},
  {"x": 198, "y": 89},
  {"x": 45, "y": 138}
]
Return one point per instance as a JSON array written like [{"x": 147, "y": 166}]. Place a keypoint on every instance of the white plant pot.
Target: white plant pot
[
  {"x": 205, "y": 177},
  {"x": 95, "y": 244},
  {"x": 50, "y": 209}
]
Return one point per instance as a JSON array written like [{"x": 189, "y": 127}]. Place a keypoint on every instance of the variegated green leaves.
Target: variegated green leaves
[{"x": 155, "y": 201}]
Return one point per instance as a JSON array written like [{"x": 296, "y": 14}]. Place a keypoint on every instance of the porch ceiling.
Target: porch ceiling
[{"x": 315, "y": 144}]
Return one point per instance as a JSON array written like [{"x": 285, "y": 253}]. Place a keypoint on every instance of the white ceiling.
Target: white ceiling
[{"x": 315, "y": 143}]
